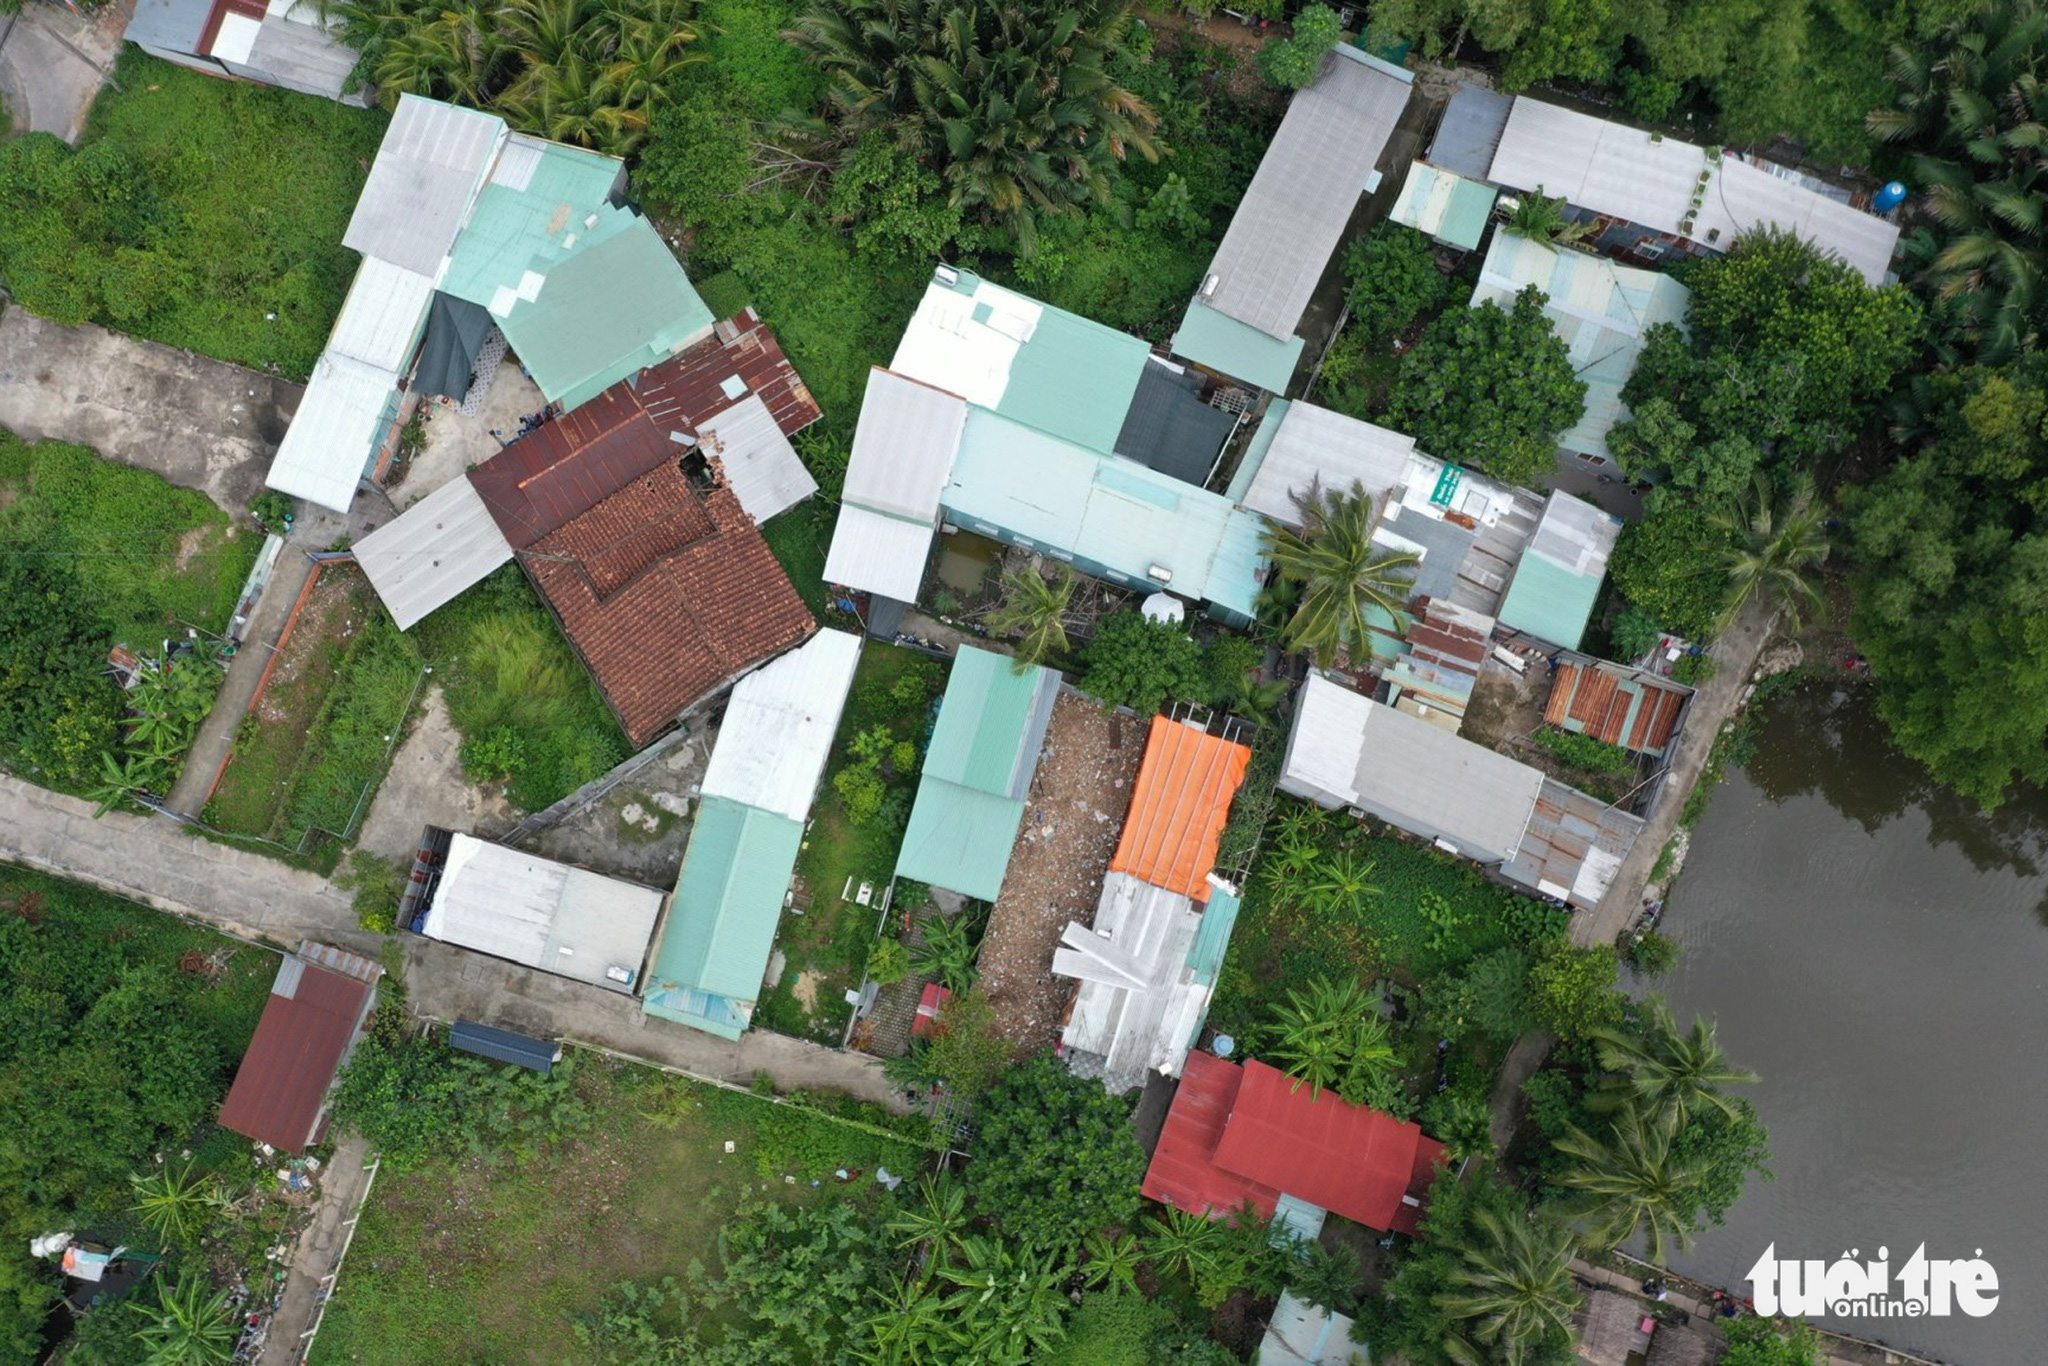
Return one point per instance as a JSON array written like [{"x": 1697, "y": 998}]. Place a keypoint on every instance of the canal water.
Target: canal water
[{"x": 1878, "y": 950}]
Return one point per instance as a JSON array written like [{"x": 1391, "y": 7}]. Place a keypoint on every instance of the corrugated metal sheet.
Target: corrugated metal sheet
[
  {"x": 1183, "y": 1172},
  {"x": 903, "y": 447},
  {"x": 1610, "y": 168},
  {"x": 1133, "y": 1010},
  {"x": 1446, "y": 647},
  {"x": 728, "y": 901},
  {"x": 1600, "y": 310},
  {"x": 1615, "y": 705},
  {"x": 779, "y": 727},
  {"x": 542, "y": 914},
  {"x": 1000, "y": 350},
  {"x": 174, "y": 25},
  {"x": 342, "y": 419},
  {"x": 873, "y": 552},
  {"x": 992, "y": 724},
  {"x": 302, "y": 56},
  {"x": 1179, "y": 806},
  {"x": 382, "y": 317},
  {"x": 280, "y": 1090},
  {"x": 1558, "y": 580},
  {"x": 758, "y": 461},
  {"x": 437, "y": 548},
  {"x": 434, "y": 159},
  {"x": 1216, "y": 341},
  {"x": 959, "y": 839},
  {"x": 1407, "y": 772},
  {"x": 1170, "y": 428},
  {"x": 1301, "y": 1334},
  {"x": 1443, "y": 204},
  {"x": 502, "y": 1045},
  {"x": 1301, "y": 198},
  {"x": 1313, "y": 445},
  {"x": 1469, "y": 133},
  {"x": 1573, "y": 847},
  {"x": 691, "y": 388},
  {"x": 566, "y": 467}
]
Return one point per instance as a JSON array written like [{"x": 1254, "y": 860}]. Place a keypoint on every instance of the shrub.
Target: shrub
[
  {"x": 1136, "y": 662},
  {"x": 1653, "y": 953},
  {"x": 1583, "y": 752},
  {"x": 1394, "y": 281},
  {"x": 1636, "y": 633},
  {"x": 378, "y": 884},
  {"x": 860, "y": 789},
  {"x": 889, "y": 962},
  {"x": 1292, "y": 63},
  {"x": 1056, "y": 1158},
  {"x": 1573, "y": 990},
  {"x": 1694, "y": 669}
]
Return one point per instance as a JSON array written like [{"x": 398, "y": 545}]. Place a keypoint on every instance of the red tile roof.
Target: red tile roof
[
  {"x": 1247, "y": 1132},
  {"x": 667, "y": 594},
  {"x": 930, "y": 1002},
  {"x": 1179, "y": 806},
  {"x": 685, "y": 391},
  {"x": 281, "y": 1089},
  {"x": 1184, "y": 1172}
]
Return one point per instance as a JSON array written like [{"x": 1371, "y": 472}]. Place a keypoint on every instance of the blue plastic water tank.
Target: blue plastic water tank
[{"x": 1891, "y": 196}]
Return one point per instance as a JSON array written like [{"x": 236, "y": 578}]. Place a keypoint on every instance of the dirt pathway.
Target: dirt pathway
[{"x": 344, "y": 1186}]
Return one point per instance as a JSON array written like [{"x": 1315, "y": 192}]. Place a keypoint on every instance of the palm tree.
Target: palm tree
[
  {"x": 1632, "y": 1182},
  {"x": 950, "y": 945},
  {"x": 1332, "y": 1036},
  {"x": 193, "y": 1327},
  {"x": 1034, "y": 608},
  {"x": 1665, "y": 1068},
  {"x": 1345, "y": 578},
  {"x": 1542, "y": 219},
  {"x": 1329, "y": 1277},
  {"x": 1183, "y": 1242},
  {"x": 1511, "y": 1291},
  {"x": 1016, "y": 1300},
  {"x": 1777, "y": 544},
  {"x": 1973, "y": 107},
  {"x": 1012, "y": 103},
  {"x": 174, "y": 1204}
]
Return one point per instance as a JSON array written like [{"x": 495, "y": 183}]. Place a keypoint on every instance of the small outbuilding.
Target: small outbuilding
[{"x": 318, "y": 1004}]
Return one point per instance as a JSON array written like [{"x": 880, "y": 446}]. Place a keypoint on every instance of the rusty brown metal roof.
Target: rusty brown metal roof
[
  {"x": 568, "y": 466},
  {"x": 692, "y": 387},
  {"x": 281, "y": 1089},
  {"x": 1619, "y": 706}
]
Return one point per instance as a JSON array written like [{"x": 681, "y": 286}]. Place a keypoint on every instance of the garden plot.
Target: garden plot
[{"x": 1072, "y": 821}]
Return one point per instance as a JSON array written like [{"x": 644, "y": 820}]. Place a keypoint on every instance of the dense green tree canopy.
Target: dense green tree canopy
[
  {"x": 1491, "y": 387},
  {"x": 1672, "y": 564},
  {"x": 1014, "y": 105},
  {"x": 1056, "y": 1158},
  {"x": 1137, "y": 662},
  {"x": 1952, "y": 581}
]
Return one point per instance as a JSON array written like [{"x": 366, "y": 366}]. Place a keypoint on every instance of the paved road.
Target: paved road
[
  {"x": 344, "y": 1184},
  {"x": 200, "y": 423},
  {"x": 1735, "y": 653},
  {"x": 156, "y": 861},
  {"x": 52, "y": 63}
]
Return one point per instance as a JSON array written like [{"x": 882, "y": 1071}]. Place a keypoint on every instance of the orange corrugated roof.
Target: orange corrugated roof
[{"x": 1179, "y": 807}]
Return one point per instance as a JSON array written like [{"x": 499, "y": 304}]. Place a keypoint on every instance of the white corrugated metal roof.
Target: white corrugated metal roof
[
  {"x": 760, "y": 464},
  {"x": 437, "y": 548},
  {"x": 966, "y": 341},
  {"x": 779, "y": 725},
  {"x": 1314, "y": 444},
  {"x": 434, "y": 160},
  {"x": 1301, "y": 1334},
  {"x": 338, "y": 425},
  {"x": 1296, "y": 208},
  {"x": 903, "y": 447},
  {"x": 1409, "y": 773},
  {"x": 1613, "y": 169},
  {"x": 1138, "y": 1002},
  {"x": 381, "y": 320},
  {"x": 542, "y": 914},
  {"x": 873, "y": 552},
  {"x": 1576, "y": 535}
]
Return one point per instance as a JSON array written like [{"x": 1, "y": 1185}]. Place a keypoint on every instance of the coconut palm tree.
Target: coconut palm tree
[
  {"x": 1345, "y": 579},
  {"x": 1511, "y": 1291},
  {"x": 193, "y": 1327},
  {"x": 1632, "y": 1182},
  {"x": 1034, "y": 609},
  {"x": 1778, "y": 542},
  {"x": 1012, "y": 102},
  {"x": 1183, "y": 1242},
  {"x": 1330, "y": 1276},
  {"x": 1973, "y": 106},
  {"x": 1663, "y": 1067}
]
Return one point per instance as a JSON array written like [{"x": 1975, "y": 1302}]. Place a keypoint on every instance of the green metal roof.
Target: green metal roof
[
  {"x": 1256, "y": 450},
  {"x": 988, "y": 717},
  {"x": 1076, "y": 379},
  {"x": 1212, "y": 939},
  {"x": 1444, "y": 205},
  {"x": 1229, "y": 347},
  {"x": 1550, "y": 601},
  {"x": 728, "y": 901},
  {"x": 587, "y": 293},
  {"x": 959, "y": 839}
]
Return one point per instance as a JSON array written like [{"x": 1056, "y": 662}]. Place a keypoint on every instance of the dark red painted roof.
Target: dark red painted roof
[
  {"x": 299, "y": 1044},
  {"x": 553, "y": 475},
  {"x": 1184, "y": 1173},
  {"x": 686, "y": 391},
  {"x": 666, "y": 594},
  {"x": 1236, "y": 1133},
  {"x": 925, "y": 1023}
]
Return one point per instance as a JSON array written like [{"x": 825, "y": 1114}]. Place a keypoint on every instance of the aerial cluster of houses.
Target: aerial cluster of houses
[{"x": 635, "y": 510}]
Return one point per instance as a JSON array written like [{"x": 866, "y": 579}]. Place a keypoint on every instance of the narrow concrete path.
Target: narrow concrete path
[
  {"x": 1735, "y": 653},
  {"x": 155, "y": 860},
  {"x": 344, "y": 1185},
  {"x": 53, "y": 62}
]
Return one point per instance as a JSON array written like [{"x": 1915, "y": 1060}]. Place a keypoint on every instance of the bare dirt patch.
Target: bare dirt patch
[
  {"x": 1075, "y": 814},
  {"x": 805, "y": 988},
  {"x": 336, "y": 607},
  {"x": 190, "y": 544}
]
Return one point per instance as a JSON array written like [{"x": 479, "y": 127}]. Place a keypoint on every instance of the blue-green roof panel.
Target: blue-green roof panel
[
  {"x": 1223, "y": 344},
  {"x": 728, "y": 901},
  {"x": 959, "y": 839},
  {"x": 1075, "y": 378},
  {"x": 991, "y": 725},
  {"x": 1549, "y": 601}
]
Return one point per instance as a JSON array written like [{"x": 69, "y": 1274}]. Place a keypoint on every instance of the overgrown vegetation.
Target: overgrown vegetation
[
  {"x": 197, "y": 212},
  {"x": 123, "y": 1027}
]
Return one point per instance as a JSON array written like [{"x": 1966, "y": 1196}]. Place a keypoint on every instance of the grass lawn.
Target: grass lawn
[
  {"x": 199, "y": 212},
  {"x": 798, "y": 539},
  {"x": 473, "y": 1259},
  {"x": 148, "y": 555},
  {"x": 831, "y": 940}
]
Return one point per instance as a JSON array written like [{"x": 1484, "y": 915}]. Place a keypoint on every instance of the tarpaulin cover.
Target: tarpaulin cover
[{"x": 456, "y": 331}]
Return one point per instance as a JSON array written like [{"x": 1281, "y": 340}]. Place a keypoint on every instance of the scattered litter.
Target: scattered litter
[{"x": 731, "y": 1146}]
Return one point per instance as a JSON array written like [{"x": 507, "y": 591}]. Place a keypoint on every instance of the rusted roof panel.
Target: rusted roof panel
[
  {"x": 554, "y": 475},
  {"x": 1618, "y": 706},
  {"x": 307, "y": 1025},
  {"x": 695, "y": 385}
]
